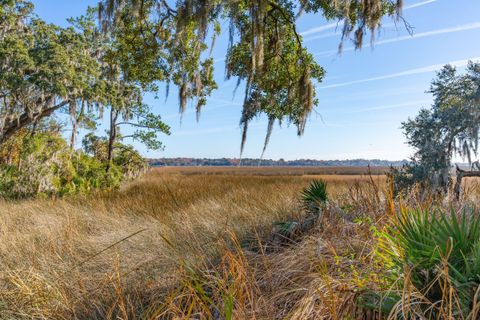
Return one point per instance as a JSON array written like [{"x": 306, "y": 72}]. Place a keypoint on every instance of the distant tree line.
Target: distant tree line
[{"x": 178, "y": 162}]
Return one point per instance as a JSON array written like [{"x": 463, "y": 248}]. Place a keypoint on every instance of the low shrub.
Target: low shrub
[
  {"x": 405, "y": 178},
  {"x": 434, "y": 258},
  {"x": 42, "y": 164}
]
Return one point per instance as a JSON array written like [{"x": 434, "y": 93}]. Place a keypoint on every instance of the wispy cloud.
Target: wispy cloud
[
  {"x": 367, "y": 95},
  {"x": 218, "y": 129},
  {"x": 464, "y": 27},
  {"x": 430, "y": 68},
  {"x": 319, "y": 29},
  {"x": 391, "y": 106},
  {"x": 222, "y": 103},
  {"x": 321, "y": 36},
  {"x": 334, "y": 25},
  {"x": 226, "y": 102},
  {"x": 415, "y": 5},
  {"x": 205, "y": 131}
]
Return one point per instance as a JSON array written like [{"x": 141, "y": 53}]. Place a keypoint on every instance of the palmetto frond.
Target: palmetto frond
[{"x": 315, "y": 196}]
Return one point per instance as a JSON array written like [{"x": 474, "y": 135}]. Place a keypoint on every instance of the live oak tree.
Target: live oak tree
[
  {"x": 45, "y": 69},
  {"x": 125, "y": 77},
  {"x": 265, "y": 50},
  {"x": 449, "y": 128},
  {"x": 47, "y": 72}
]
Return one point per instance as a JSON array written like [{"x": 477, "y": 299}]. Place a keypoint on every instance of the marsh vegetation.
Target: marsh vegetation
[{"x": 178, "y": 244}]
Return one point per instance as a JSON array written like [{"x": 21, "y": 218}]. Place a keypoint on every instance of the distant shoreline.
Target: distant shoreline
[{"x": 250, "y": 162}]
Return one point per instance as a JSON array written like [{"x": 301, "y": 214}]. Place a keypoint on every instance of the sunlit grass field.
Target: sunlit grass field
[{"x": 195, "y": 243}]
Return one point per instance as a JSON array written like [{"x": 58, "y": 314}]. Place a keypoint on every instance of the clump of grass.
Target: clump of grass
[{"x": 222, "y": 290}]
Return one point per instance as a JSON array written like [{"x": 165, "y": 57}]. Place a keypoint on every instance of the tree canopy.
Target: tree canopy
[
  {"x": 265, "y": 50},
  {"x": 449, "y": 128},
  {"x": 42, "y": 68},
  {"x": 48, "y": 71},
  {"x": 86, "y": 69},
  {"x": 45, "y": 69}
]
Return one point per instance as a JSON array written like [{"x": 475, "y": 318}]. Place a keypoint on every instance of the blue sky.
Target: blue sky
[{"x": 363, "y": 100}]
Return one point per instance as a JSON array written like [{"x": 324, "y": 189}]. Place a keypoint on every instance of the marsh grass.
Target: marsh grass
[
  {"x": 176, "y": 245},
  {"x": 114, "y": 255}
]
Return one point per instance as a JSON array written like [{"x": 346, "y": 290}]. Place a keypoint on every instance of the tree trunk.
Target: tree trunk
[
  {"x": 75, "y": 122},
  {"x": 73, "y": 138},
  {"x": 112, "y": 137},
  {"x": 460, "y": 175}
]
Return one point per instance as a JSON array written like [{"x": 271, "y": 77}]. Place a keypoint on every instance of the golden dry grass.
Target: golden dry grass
[
  {"x": 109, "y": 256},
  {"x": 196, "y": 243}
]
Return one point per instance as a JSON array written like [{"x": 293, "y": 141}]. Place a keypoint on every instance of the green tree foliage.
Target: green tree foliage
[
  {"x": 86, "y": 72},
  {"x": 358, "y": 16},
  {"x": 36, "y": 163},
  {"x": 78, "y": 70},
  {"x": 127, "y": 159},
  {"x": 42, "y": 68},
  {"x": 265, "y": 52},
  {"x": 450, "y": 127}
]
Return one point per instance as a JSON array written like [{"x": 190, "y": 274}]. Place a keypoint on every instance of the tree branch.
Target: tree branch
[
  {"x": 25, "y": 119},
  {"x": 292, "y": 23},
  {"x": 135, "y": 125}
]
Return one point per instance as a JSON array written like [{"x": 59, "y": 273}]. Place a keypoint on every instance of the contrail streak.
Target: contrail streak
[
  {"x": 465, "y": 27},
  {"x": 430, "y": 68}
]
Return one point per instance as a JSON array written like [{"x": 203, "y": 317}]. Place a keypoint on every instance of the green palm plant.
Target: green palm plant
[
  {"x": 315, "y": 196},
  {"x": 439, "y": 254}
]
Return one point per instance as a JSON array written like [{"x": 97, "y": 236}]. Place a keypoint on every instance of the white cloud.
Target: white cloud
[
  {"x": 218, "y": 60},
  {"x": 367, "y": 95},
  {"x": 219, "y": 129},
  {"x": 430, "y": 68},
  {"x": 205, "y": 131},
  {"x": 226, "y": 102},
  {"x": 209, "y": 107},
  {"x": 464, "y": 27},
  {"x": 320, "y": 36}
]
